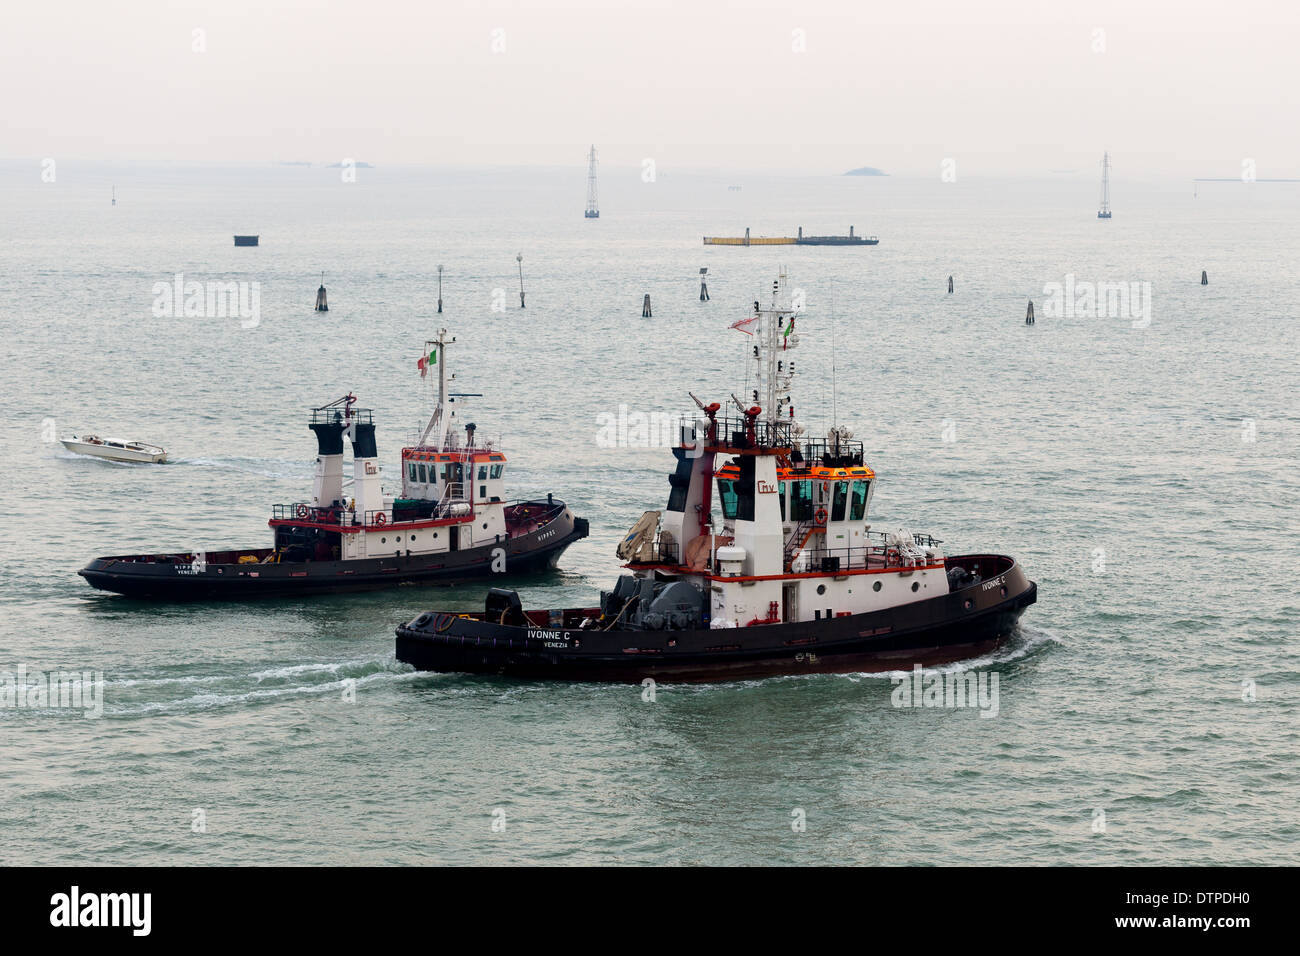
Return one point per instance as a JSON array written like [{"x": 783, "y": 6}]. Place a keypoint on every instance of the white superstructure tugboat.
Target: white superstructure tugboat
[
  {"x": 451, "y": 521},
  {"x": 784, "y": 576}
]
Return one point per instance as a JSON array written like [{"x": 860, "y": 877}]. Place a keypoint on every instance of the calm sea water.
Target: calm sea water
[{"x": 1145, "y": 476}]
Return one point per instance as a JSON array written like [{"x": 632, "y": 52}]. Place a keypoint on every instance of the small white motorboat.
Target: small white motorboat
[{"x": 115, "y": 449}]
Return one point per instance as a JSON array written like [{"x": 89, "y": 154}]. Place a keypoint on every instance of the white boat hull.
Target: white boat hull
[{"x": 116, "y": 450}]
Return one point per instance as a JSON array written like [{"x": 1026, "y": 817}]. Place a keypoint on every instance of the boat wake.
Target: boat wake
[
  {"x": 190, "y": 693},
  {"x": 1027, "y": 641},
  {"x": 264, "y": 467}
]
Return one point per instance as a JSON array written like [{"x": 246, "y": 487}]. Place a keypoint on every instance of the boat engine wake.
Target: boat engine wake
[{"x": 194, "y": 693}]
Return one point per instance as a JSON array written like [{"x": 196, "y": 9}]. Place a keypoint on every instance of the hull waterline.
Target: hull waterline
[
  {"x": 950, "y": 627},
  {"x": 182, "y": 580}
]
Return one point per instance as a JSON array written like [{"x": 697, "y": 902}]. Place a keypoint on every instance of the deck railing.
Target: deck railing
[
  {"x": 661, "y": 552},
  {"x": 336, "y": 415},
  {"x": 741, "y": 433},
  {"x": 880, "y": 552},
  {"x": 542, "y": 512}
]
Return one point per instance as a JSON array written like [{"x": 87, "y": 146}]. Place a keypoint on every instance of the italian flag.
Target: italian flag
[
  {"x": 427, "y": 360},
  {"x": 788, "y": 329}
]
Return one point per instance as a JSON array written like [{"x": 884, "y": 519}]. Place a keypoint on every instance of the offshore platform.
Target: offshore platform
[{"x": 593, "y": 210}]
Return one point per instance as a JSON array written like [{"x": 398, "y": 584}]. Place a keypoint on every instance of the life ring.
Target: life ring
[
  {"x": 444, "y": 622},
  {"x": 821, "y": 516},
  {"x": 302, "y": 511},
  {"x": 381, "y": 518},
  {"x": 826, "y": 486}
]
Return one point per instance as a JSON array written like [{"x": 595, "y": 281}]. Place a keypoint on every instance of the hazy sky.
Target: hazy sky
[{"x": 1182, "y": 87}]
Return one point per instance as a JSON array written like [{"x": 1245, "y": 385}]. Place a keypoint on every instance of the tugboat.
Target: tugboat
[
  {"x": 450, "y": 523},
  {"x": 784, "y": 577}
]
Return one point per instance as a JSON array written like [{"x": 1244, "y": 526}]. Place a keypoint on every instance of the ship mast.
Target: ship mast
[
  {"x": 439, "y": 420},
  {"x": 771, "y": 354},
  {"x": 1104, "y": 211},
  {"x": 593, "y": 210}
]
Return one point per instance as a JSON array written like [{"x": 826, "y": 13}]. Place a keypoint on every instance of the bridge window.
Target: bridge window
[
  {"x": 727, "y": 494},
  {"x": 745, "y": 490},
  {"x": 801, "y": 501},
  {"x": 411, "y": 468},
  {"x": 780, "y": 494},
  {"x": 858, "y": 510},
  {"x": 482, "y": 472},
  {"x": 841, "y": 499},
  {"x": 679, "y": 483},
  {"x": 497, "y": 470},
  {"x": 423, "y": 476}
]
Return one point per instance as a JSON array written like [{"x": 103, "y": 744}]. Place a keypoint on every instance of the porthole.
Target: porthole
[
  {"x": 916, "y": 585},
  {"x": 821, "y": 589},
  {"x": 412, "y": 537},
  {"x": 969, "y": 604},
  {"x": 383, "y": 540},
  {"x": 876, "y": 586},
  {"x": 1003, "y": 591},
  {"x": 484, "y": 525}
]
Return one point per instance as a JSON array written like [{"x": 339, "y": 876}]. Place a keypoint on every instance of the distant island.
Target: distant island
[
  {"x": 865, "y": 171},
  {"x": 356, "y": 165}
]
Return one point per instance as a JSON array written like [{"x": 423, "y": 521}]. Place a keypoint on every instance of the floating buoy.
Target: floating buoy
[
  {"x": 1205, "y": 280},
  {"x": 1029, "y": 316},
  {"x": 950, "y": 285},
  {"x": 645, "y": 307}
]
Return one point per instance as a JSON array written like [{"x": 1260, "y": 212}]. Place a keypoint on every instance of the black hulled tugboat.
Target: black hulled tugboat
[
  {"x": 785, "y": 576},
  {"x": 451, "y": 521}
]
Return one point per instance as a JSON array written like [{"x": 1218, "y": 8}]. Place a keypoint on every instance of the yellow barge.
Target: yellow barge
[{"x": 799, "y": 240}]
